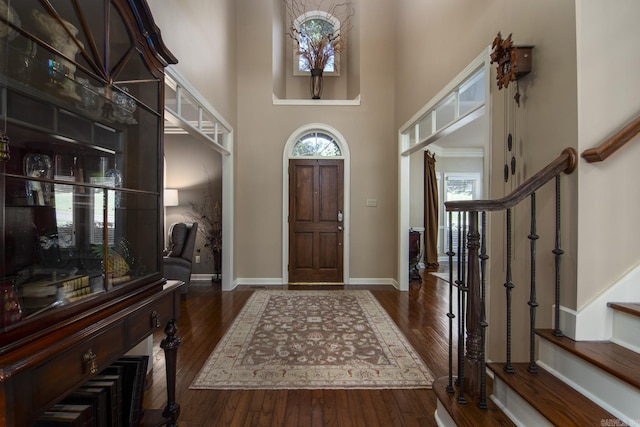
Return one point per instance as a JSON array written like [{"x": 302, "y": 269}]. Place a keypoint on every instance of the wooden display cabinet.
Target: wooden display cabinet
[{"x": 81, "y": 126}]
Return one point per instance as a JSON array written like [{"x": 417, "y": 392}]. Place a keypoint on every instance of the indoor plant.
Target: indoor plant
[{"x": 208, "y": 215}]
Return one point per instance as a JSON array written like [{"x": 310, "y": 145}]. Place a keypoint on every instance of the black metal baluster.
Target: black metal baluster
[
  {"x": 483, "y": 357},
  {"x": 461, "y": 310},
  {"x": 450, "y": 253},
  {"x": 509, "y": 286},
  {"x": 533, "y": 304},
  {"x": 558, "y": 253},
  {"x": 457, "y": 284}
]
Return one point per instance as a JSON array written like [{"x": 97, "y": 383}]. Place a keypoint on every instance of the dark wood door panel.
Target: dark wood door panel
[{"x": 315, "y": 231}]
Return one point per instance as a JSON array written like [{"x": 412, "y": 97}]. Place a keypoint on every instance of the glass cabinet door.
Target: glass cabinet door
[{"x": 80, "y": 187}]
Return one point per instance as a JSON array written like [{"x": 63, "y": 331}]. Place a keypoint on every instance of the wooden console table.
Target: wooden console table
[{"x": 36, "y": 374}]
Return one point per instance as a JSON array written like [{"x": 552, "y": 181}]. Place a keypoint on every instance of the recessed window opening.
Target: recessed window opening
[{"x": 313, "y": 27}]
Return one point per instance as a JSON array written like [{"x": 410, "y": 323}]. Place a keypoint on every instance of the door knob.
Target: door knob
[{"x": 339, "y": 228}]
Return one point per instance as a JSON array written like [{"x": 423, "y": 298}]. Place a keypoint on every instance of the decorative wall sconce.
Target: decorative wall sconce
[{"x": 513, "y": 62}]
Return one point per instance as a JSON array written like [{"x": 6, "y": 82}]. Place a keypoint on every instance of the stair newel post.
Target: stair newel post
[
  {"x": 461, "y": 311},
  {"x": 558, "y": 253},
  {"x": 533, "y": 304},
  {"x": 474, "y": 308},
  {"x": 483, "y": 323},
  {"x": 509, "y": 286},
  {"x": 450, "y": 253}
]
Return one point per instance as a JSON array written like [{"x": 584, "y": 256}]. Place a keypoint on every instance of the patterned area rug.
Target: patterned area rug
[{"x": 338, "y": 339}]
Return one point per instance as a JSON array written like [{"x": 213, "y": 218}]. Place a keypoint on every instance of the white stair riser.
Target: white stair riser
[
  {"x": 442, "y": 417},
  {"x": 612, "y": 394},
  {"x": 515, "y": 407},
  {"x": 625, "y": 330}
]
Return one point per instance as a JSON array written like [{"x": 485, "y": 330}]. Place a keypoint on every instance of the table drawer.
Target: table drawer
[
  {"x": 150, "y": 317},
  {"x": 71, "y": 368}
]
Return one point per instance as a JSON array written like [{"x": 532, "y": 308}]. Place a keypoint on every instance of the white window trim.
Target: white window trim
[{"x": 326, "y": 16}]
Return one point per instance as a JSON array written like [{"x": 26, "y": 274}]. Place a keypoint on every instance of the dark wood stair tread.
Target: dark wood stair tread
[
  {"x": 560, "y": 404},
  {"x": 469, "y": 414},
  {"x": 612, "y": 358},
  {"x": 626, "y": 307}
]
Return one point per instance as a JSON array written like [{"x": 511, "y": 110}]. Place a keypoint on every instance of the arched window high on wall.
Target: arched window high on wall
[{"x": 311, "y": 27}]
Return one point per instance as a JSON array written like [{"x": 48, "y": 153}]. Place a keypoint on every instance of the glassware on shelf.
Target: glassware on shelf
[
  {"x": 115, "y": 178},
  {"x": 91, "y": 97},
  {"x": 62, "y": 36},
  {"x": 124, "y": 107},
  {"x": 10, "y": 307},
  {"x": 38, "y": 165}
]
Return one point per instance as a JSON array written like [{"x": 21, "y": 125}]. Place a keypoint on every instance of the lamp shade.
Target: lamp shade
[{"x": 171, "y": 197}]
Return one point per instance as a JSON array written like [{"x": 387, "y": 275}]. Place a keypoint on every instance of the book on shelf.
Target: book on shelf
[
  {"x": 54, "y": 285},
  {"x": 134, "y": 375},
  {"x": 67, "y": 415},
  {"x": 113, "y": 415},
  {"x": 116, "y": 417},
  {"x": 94, "y": 396}
]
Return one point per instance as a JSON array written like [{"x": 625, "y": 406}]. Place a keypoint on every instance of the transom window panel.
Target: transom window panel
[{"x": 316, "y": 144}]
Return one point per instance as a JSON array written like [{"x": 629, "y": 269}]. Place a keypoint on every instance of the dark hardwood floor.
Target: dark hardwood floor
[{"x": 206, "y": 314}]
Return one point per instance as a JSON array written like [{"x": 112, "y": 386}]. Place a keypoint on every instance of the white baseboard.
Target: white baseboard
[
  {"x": 369, "y": 281},
  {"x": 251, "y": 281},
  {"x": 201, "y": 277},
  {"x": 277, "y": 281}
]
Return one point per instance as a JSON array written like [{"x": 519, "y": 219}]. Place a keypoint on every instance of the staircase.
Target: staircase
[
  {"x": 585, "y": 383},
  {"x": 565, "y": 382}
]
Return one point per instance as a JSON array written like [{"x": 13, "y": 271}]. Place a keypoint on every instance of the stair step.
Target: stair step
[
  {"x": 626, "y": 307},
  {"x": 468, "y": 414},
  {"x": 556, "y": 401},
  {"x": 612, "y": 358}
]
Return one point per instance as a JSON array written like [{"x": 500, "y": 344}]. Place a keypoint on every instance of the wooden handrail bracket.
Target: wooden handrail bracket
[
  {"x": 565, "y": 162},
  {"x": 612, "y": 144}
]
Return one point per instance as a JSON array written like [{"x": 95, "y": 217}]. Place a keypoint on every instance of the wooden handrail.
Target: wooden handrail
[
  {"x": 612, "y": 144},
  {"x": 565, "y": 162}
]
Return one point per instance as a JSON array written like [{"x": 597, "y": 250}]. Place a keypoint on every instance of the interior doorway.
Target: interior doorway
[{"x": 463, "y": 107}]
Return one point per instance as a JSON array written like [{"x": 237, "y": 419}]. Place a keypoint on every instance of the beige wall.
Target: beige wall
[
  {"x": 436, "y": 40},
  {"x": 202, "y": 35},
  {"x": 263, "y": 130},
  {"x": 609, "y": 98}
]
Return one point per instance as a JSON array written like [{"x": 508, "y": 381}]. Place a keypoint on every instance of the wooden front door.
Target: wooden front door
[{"x": 316, "y": 189}]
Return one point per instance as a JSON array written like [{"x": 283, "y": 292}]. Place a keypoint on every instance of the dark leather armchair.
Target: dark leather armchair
[{"x": 178, "y": 256}]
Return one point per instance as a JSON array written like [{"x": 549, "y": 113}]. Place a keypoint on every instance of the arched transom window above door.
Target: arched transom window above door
[{"x": 316, "y": 145}]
